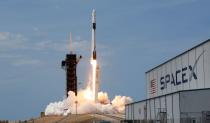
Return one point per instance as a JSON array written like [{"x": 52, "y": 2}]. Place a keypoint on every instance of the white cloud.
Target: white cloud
[
  {"x": 61, "y": 46},
  {"x": 14, "y": 48},
  {"x": 19, "y": 60},
  {"x": 9, "y": 56},
  {"x": 26, "y": 61},
  {"x": 9, "y": 44},
  {"x": 12, "y": 44},
  {"x": 10, "y": 41},
  {"x": 35, "y": 29}
]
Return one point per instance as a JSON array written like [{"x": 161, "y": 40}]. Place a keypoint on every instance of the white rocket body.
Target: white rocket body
[
  {"x": 94, "y": 34},
  {"x": 95, "y": 85}
]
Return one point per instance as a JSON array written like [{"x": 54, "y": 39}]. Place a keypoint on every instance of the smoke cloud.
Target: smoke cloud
[{"x": 83, "y": 103}]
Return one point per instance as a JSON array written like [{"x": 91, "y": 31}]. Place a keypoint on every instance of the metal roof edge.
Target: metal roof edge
[{"x": 167, "y": 95}]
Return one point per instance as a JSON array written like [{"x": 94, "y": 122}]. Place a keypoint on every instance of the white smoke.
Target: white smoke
[{"x": 84, "y": 104}]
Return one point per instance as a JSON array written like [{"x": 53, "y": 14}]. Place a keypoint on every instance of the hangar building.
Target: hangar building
[{"x": 178, "y": 91}]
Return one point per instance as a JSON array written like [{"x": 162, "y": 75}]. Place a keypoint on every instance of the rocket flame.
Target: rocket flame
[
  {"x": 94, "y": 64},
  {"x": 88, "y": 94}
]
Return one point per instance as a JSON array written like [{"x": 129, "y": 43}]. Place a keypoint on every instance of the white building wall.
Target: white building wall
[
  {"x": 139, "y": 110},
  {"x": 207, "y": 65},
  {"x": 157, "y": 107},
  {"x": 130, "y": 114},
  {"x": 195, "y": 101},
  {"x": 187, "y": 71},
  {"x": 173, "y": 68},
  {"x": 185, "y": 65},
  {"x": 200, "y": 69},
  {"x": 168, "y": 70},
  {"x": 179, "y": 75},
  {"x": 169, "y": 108},
  {"x": 136, "y": 111},
  {"x": 163, "y": 102},
  {"x": 155, "y": 77},
  {"x": 147, "y": 85},
  {"x": 176, "y": 108},
  {"x": 177, "y": 105},
  {"x": 163, "y": 73},
  {"x": 148, "y": 110},
  {"x": 192, "y": 55},
  {"x": 126, "y": 112},
  {"x": 152, "y": 106},
  {"x": 159, "y": 74}
]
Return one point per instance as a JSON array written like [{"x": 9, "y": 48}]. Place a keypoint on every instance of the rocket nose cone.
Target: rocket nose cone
[
  {"x": 94, "y": 16},
  {"x": 94, "y": 11}
]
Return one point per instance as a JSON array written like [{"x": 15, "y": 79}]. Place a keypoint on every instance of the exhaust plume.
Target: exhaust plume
[{"x": 86, "y": 104}]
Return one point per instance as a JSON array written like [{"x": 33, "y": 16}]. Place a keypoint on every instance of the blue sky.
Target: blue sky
[{"x": 132, "y": 37}]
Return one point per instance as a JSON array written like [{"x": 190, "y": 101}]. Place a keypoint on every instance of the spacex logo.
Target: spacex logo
[{"x": 180, "y": 76}]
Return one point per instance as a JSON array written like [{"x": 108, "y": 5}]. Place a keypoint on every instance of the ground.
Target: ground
[{"x": 82, "y": 118}]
